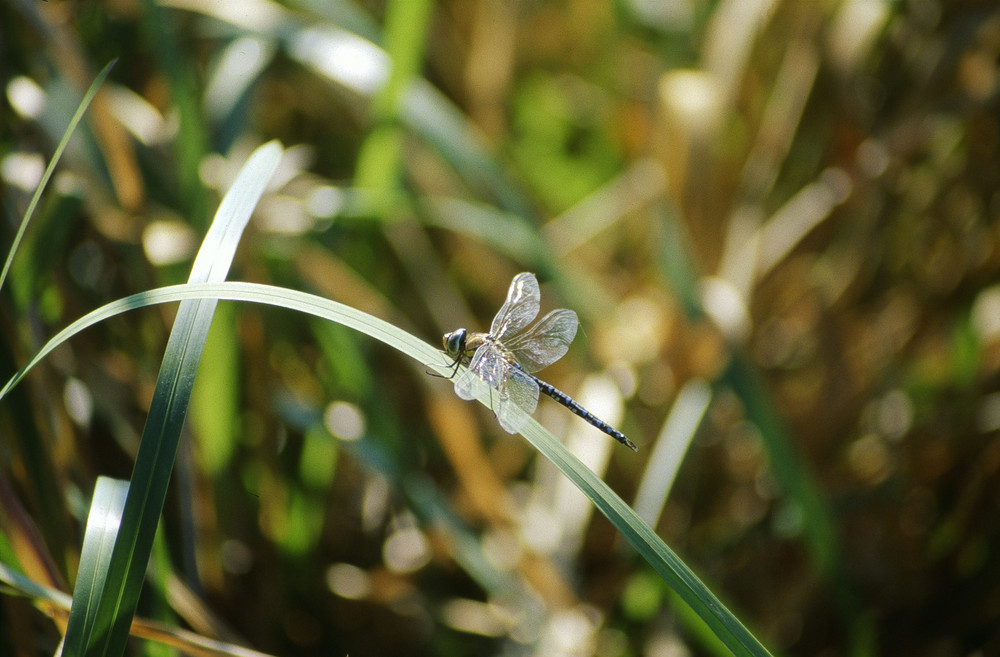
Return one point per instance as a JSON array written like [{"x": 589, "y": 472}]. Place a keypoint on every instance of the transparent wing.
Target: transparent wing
[
  {"x": 480, "y": 374},
  {"x": 546, "y": 342},
  {"x": 523, "y": 300},
  {"x": 515, "y": 393},
  {"x": 516, "y": 399}
]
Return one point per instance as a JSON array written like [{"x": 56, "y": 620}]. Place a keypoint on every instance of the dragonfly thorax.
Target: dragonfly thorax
[{"x": 460, "y": 345}]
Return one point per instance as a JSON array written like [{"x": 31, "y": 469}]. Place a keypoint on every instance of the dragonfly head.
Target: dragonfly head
[{"x": 454, "y": 342}]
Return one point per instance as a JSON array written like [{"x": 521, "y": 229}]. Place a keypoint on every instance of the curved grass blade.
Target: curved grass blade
[
  {"x": 664, "y": 561},
  {"x": 70, "y": 129},
  {"x": 255, "y": 293},
  {"x": 119, "y": 590},
  {"x": 669, "y": 566}
]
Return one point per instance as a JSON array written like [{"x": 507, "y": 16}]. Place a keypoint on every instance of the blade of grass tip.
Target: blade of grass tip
[
  {"x": 43, "y": 183},
  {"x": 103, "y": 523},
  {"x": 158, "y": 446}
]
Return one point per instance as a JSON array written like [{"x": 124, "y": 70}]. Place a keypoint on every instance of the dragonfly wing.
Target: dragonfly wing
[
  {"x": 471, "y": 382},
  {"x": 523, "y": 300},
  {"x": 516, "y": 399},
  {"x": 546, "y": 342}
]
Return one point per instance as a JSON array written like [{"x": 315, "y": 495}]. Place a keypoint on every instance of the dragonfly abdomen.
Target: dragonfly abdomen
[{"x": 574, "y": 406}]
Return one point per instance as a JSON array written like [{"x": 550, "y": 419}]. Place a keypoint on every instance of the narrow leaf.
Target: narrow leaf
[
  {"x": 158, "y": 446},
  {"x": 70, "y": 129}
]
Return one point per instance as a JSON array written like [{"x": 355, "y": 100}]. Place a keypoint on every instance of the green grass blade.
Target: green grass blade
[
  {"x": 158, "y": 447},
  {"x": 103, "y": 523},
  {"x": 663, "y": 560},
  {"x": 251, "y": 292},
  {"x": 70, "y": 129},
  {"x": 216, "y": 253},
  {"x": 669, "y": 566},
  {"x": 20, "y": 582}
]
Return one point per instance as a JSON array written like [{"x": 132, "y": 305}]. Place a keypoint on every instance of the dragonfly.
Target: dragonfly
[{"x": 503, "y": 360}]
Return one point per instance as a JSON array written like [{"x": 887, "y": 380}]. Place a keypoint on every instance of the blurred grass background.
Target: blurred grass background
[{"x": 777, "y": 221}]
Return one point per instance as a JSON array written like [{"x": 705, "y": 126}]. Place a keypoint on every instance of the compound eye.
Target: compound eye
[{"x": 454, "y": 342}]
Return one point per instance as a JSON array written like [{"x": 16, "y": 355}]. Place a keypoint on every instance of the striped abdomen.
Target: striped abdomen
[{"x": 572, "y": 405}]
